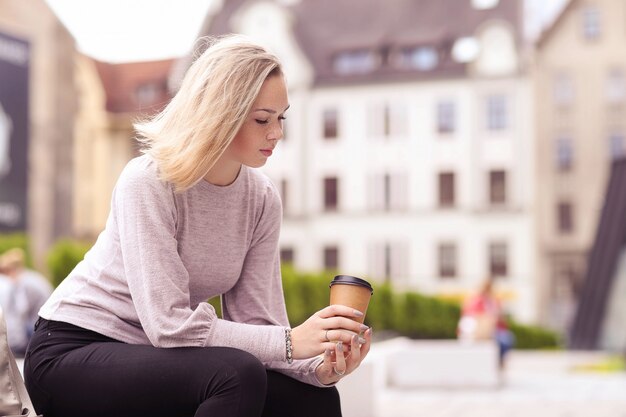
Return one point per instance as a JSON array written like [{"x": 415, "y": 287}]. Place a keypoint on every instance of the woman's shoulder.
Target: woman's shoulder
[
  {"x": 261, "y": 184},
  {"x": 141, "y": 176},
  {"x": 141, "y": 169}
]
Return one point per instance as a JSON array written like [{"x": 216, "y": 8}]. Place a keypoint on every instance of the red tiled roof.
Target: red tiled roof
[{"x": 137, "y": 87}]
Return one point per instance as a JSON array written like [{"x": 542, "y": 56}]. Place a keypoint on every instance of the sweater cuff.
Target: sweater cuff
[{"x": 265, "y": 342}]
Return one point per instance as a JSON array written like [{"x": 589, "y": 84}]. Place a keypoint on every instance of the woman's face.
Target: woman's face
[{"x": 263, "y": 127}]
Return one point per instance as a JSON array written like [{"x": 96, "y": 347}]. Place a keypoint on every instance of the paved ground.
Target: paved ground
[{"x": 537, "y": 384}]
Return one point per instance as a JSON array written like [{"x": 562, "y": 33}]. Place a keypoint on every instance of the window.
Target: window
[
  {"x": 330, "y": 123},
  {"x": 387, "y": 120},
  {"x": 284, "y": 193},
  {"x": 445, "y": 117},
  {"x": 565, "y": 220},
  {"x": 564, "y": 154},
  {"x": 446, "y": 189},
  {"x": 616, "y": 146},
  {"x": 356, "y": 62},
  {"x": 286, "y": 255},
  {"x": 387, "y": 188},
  {"x": 498, "y": 259},
  {"x": 616, "y": 87},
  {"x": 497, "y": 118},
  {"x": 497, "y": 187},
  {"x": 447, "y": 260},
  {"x": 591, "y": 23},
  {"x": 150, "y": 93},
  {"x": 422, "y": 58},
  {"x": 388, "y": 261},
  {"x": 331, "y": 193},
  {"x": 567, "y": 278},
  {"x": 563, "y": 90},
  {"x": 331, "y": 258},
  {"x": 387, "y": 192}
]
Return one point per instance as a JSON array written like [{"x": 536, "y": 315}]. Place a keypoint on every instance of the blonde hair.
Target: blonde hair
[{"x": 191, "y": 133}]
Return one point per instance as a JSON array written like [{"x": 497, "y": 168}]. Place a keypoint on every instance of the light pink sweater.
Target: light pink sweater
[{"x": 162, "y": 255}]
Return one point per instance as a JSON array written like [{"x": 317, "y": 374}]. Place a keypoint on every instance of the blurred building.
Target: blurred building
[
  {"x": 36, "y": 191},
  {"x": 112, "y": 97},
  {"x": 409, "y": 152},
  {"x": 581, "y": 127}
]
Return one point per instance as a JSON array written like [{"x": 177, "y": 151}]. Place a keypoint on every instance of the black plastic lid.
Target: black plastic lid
[{"x": 350, "y": 280}]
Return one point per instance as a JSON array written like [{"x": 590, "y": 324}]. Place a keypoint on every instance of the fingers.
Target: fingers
[
  {"x": 340, "y": 360},
  {"x": 339, "y": 310},
  {"x": 365, "y": 348},
  {"x": 342, "y": 323},
  {"x": 333, "y": 335},
  {"x": 355, "y": 351}
]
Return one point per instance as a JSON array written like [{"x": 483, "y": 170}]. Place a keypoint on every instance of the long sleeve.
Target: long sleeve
[{"x": 258, "y": 297}]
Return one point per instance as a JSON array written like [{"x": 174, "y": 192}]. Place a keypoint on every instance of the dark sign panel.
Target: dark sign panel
[{"x": 14, "y": 68}]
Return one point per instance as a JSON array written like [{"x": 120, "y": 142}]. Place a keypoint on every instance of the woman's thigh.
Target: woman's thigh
[
  {"x": 109, "y": 378},
  {"x": 287, "y": 397}
]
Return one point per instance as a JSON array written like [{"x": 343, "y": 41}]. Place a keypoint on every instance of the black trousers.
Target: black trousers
[{"x": 74, "y": 372}]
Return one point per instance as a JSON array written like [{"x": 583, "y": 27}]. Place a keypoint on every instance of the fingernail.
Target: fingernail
[
  {"x": 340, "y": 346},
  {"x": 327, "y": 352},
  {"x": 358, "y": 313},
  {"x": 355, "y": 339},
  {"x": 362, "y": 341},
  {"x": 364, "y": 327}
]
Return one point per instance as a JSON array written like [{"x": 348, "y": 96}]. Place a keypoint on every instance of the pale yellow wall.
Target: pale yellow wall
[
  {"x": 587, "y": 121},
  {"x": 103, "y": 147}
]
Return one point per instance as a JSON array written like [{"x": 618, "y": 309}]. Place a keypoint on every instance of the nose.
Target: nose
[{"x": 276, "y": 133}]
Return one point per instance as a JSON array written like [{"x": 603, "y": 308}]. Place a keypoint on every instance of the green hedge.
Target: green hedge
[
  {"x": 534, "y": 337},
  {"x": 407, "y": 313},
  {"x": 64, "y": 255}
]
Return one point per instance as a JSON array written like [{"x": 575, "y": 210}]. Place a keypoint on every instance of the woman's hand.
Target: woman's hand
[
  {"x": 329, "y": 372},
  {"x": 324, "y": 329}
]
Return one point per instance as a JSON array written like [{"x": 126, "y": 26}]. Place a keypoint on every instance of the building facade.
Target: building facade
[
  {"x": 112, "y": 97},
  {"x": 408, "y": 154},
  {"x": 51, "y": 109},
  {"x": 580, "y": 88}
]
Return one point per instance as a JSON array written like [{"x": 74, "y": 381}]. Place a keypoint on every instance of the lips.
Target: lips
[{"x": 266, "y": 152}]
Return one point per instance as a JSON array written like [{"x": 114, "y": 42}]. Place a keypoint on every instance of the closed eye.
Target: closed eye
[{"x": 262, "y": 122}]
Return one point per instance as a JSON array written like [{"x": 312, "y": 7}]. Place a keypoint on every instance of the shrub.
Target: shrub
[
  {"x": 534, "y": 337},
  {"x": 422, "y": 317},
  {"x": 381, "y": 312},
  {"x": 64, "y": 255},
  {"x": 305, "y": 293}
]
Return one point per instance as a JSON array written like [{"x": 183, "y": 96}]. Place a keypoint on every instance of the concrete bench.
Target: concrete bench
[
  {"x": 402, "y": 363},
  {"x": 445, "y": 364}
]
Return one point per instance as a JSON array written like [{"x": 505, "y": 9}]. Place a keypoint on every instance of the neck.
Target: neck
[{"x": 222, "y": 173}]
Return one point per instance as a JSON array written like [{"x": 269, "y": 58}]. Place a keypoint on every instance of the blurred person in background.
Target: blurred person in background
[
  {"x": 482, "y": 318},
  {"x": 22, "y": 293},
  {"x": 130, "y": 332}
]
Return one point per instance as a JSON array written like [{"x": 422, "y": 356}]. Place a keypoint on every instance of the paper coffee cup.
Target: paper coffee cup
[{"x": 352, "y": 292}]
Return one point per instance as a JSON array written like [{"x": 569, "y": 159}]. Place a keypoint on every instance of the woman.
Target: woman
[{"x": 129, "y": 332}]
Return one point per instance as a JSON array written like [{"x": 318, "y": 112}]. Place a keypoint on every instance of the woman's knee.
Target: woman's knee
[
  {"x": 331, "y": 400},
  {"x": 239, "y": 371},
  {"x": 250, "y": 370}
]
